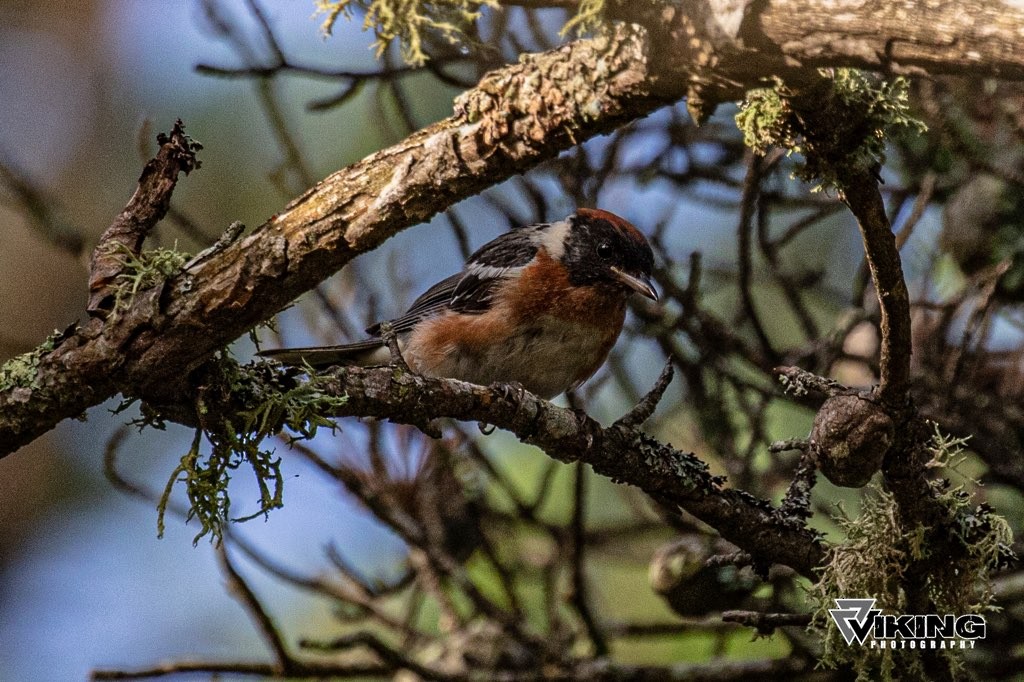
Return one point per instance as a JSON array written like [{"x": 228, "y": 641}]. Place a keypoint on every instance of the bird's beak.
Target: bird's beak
[{"x": 640, "y": 284}]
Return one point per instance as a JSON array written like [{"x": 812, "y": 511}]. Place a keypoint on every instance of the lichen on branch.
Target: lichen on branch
[
  {"x": 879, "y": 551},
  {"x": 408, "y": 21},
  {"x": 19, "y": 373},
  {"x": 838, "y": 124},
  {"x": 238, "y": 408},
  {"x": 142, "y": 271}
]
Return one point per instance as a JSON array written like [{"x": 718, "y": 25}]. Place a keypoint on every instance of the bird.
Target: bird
[{"x": 540, "y": 306}]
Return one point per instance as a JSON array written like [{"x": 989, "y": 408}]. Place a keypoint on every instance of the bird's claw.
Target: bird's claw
[{"x": 510, "y": 391}]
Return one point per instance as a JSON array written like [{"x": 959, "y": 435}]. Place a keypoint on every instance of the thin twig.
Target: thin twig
[
  {"x": 579, "y": 592},
  {"x": 860, "y": 192},
  {"x": 766, "y": 623},
  {"x": 643, "y": 410},
  {"x": 390, "y": 656},
  {"x": 240, "y": 589}
]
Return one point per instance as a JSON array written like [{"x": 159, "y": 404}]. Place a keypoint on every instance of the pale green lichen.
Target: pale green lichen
[
  {"x": 589, "y": 17},
  {"x": 142, "y": 271},
  {"x": 21, "y": 371},
  {"x": 259, "y": 404},
  {"x": 406, "y": 20},
  {"x": 839, "y": 126},
  {"x": 878, "y": 550}
]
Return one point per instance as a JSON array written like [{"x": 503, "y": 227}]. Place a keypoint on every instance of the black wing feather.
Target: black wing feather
[
  {"x": 470, "y": 291},
  {"x": 511, "y": 249},
  {"x": 474, "y": 292}
]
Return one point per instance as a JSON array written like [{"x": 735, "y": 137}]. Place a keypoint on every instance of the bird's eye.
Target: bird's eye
[{"x": 604, "y": 250}]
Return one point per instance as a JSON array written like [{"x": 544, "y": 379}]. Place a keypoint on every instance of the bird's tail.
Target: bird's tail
[{"x": 368, "y": 352}]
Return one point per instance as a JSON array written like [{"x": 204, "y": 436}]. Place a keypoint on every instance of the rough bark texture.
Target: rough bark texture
[
  {"x": 144, "y": 210},
  {"x": 951, "y": 36}
]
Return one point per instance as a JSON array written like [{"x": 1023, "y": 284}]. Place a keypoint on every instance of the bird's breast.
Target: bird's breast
[
  {"x": 546, "y": 354},
  {"x": 540, "y": 331}
]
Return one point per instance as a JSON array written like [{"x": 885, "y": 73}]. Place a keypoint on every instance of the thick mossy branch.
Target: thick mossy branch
[{"x": 839, "y": 125}]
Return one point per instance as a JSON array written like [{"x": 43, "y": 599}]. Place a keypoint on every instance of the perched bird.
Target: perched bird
[{"x": 541, "y": 305}]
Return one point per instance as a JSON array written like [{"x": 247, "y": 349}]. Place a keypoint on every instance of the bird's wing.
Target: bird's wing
[
  {"x": 491, "y": 265},
  {"x": 470, "y": 291}
]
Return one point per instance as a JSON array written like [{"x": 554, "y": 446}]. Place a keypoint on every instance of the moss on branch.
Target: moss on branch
[
  {"x": 839, "y": 125},
  {"x": 879, "y": 551},
  {"x": 410, "y": 21},
  {"x": 238, "y": 408}
]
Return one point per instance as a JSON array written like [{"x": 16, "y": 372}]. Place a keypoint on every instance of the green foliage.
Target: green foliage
[
  {"x": 839, "y": 126},
  {"x": 144, "y": 270},
  {"x": 878, "y": 550},
  {"x": 20, "y": 371},
  {"x": 248, "y": 405}
]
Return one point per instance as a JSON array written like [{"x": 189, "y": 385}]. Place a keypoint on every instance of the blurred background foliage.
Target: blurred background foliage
[{"x": 84, "y": 582}]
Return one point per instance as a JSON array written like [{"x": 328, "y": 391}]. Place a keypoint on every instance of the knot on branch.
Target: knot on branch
[
  {"x": 849, "y": 439},
  {"x": 681, "y": 573}
]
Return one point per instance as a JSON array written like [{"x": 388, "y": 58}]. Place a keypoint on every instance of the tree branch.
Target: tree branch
[
  {"x": 860, "y": 191},
  {"x": 676, "y": 479},
  {"x": 148, "y": 205},
  {"x": 899, "y": 36},
  {"x": 514, "y": 119}
]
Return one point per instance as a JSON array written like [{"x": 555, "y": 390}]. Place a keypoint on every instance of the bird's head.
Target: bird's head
[{"x": 600, "y": 248}]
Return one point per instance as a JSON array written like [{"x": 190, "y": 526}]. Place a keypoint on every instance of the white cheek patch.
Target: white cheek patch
[{"x": 554, "y": 237}]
